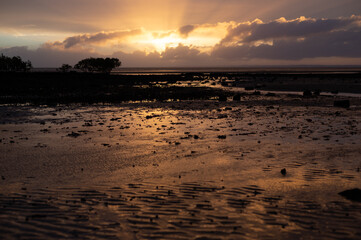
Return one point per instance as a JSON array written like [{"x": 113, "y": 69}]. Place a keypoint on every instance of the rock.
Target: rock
[
  {"x": 317, "y": 92},
  {"x": 341, "y": 103},
  {"x": 220, "y": 116},
  {"x": 73, "y": 134},
  {"x": 152, "y": 116},
  {"x": 352, "y": 194},
  {"x": 237, "y": 97},
  {"x": 307, "y": 93},
  {"x": 222, "y": 98},
  {"x": 222, "y": 136},
  {"x": 284, "y": 172}
]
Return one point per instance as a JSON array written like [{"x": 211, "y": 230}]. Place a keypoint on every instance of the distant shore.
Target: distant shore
[
  {"x": 248, "y": 69},
  {"x": 77, "y": 87}
]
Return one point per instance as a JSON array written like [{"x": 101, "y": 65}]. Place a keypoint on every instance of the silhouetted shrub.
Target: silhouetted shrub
[
  {"x": 103, "y": 65},
  {"x": 64, "y": 68},
  {"x": 14, "y": 64}
]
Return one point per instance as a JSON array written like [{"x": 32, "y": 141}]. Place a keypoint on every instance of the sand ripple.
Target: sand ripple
[{"x": 176, "y": 211}]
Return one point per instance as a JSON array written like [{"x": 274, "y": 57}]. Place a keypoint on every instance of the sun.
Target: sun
[
  {"x": 203, "y": 39},
  {"x": 161, "y": 44}
]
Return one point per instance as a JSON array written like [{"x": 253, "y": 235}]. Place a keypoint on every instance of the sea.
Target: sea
[{"x": 258, "y": 69}]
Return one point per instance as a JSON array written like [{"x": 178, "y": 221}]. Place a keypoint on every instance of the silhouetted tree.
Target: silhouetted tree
[
  {"x": 104, "y": 65},
  {"x": 64, "y": 68},
  {"x": 14, "y": 64}
]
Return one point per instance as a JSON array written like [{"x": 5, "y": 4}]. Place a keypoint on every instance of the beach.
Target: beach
[{"x": 264, "y": 166}]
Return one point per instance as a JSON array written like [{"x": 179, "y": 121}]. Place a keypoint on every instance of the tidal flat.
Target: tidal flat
[{"x": 264, "y": 166}]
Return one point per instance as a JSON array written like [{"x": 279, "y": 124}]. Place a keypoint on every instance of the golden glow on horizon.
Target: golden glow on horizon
[
  {"x": 202, "y": 37},
  {"x": 160, "y": 44}
]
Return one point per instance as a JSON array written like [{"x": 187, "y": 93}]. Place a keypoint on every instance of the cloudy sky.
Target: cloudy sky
[{"x": 183, "y": 33}]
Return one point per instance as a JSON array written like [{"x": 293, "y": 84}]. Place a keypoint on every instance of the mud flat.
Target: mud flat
[{"x": 200, "y": 169}]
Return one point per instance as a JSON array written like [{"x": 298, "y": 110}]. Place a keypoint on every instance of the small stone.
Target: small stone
[
  {"x": 341, "y": 103},
  {"x": 284, "y": 172},
  {"x": 307, "y": 93},
  {"x": 237, "y": 97},
  {"x": 73, "y": 134},
  {"x": 222, "y": 98}
]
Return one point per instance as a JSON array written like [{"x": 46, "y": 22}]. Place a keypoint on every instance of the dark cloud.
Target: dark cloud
[
  {"x": 185, "y": 30},
  {"x": 297, "y": 28},
  {"x": 139, "y": 59},
  {"x": 293, "y": 39},
  {"x": 180, "y": 56},
  {"x": 171, "y": 57},
  {"x": 86, "y": 39},
  {"x": 332, "y": 44},
  {"x": 282, "y": 28},
  {"x": 182, "y": 52}
]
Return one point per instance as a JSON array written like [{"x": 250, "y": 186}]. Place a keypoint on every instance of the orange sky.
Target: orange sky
[{"x": 182, "y": 32}]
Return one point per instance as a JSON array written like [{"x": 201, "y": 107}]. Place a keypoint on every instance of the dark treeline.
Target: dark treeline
[{"x": 14, "y": 64}]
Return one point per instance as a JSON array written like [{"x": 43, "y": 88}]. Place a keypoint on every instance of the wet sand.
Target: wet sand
[{"x": 181, "y": 170}]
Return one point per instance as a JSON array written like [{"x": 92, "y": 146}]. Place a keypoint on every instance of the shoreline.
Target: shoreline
[{"x": 73, "y": 87}]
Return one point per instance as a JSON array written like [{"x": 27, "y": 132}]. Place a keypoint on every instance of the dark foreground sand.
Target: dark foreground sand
[{"x": 181, "y": 170}]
